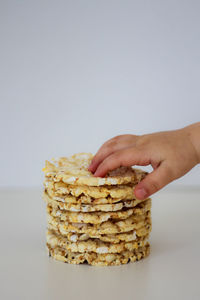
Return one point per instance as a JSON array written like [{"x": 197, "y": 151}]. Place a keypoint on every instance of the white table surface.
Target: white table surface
[{"x": 172, "y": 271}]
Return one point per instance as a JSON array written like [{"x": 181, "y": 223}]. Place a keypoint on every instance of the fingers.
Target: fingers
[
  {"x": 111, "y": 146},
  {"x": 154, "y": 181},
  {"x": 105, "y": 150},
  {"x": 125, "y": 157}
]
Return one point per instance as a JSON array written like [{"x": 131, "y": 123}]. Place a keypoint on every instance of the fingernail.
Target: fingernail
[
  {"x": 90, "y": 166},
  {"x": 141, "y": 193},
  {"x": 95, "y": 173}
]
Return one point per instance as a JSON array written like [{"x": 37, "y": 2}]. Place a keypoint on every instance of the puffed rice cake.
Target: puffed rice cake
[
  {"x": 92, "y": 219},
  {"x": 93, "y": 245},
  {"x": 74, "y": 170},
  {"x": 129, "y": 236},
  {"x": 62, "y": 190},
  {"x": 95, "y": 259},
  {"x": 82, "y": 207},
  {"x": 97, "y": 217},
  {"x": 108, "y": 227}
]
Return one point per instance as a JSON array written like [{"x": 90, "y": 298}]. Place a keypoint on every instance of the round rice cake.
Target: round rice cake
[
  {"x": 95, "y": 259},
  {"x": 111, "y": 238},
  {"x": 120, "y": 192},
  {"x": 98, "y": 217},
  {"x": 81, "y": 199},
  {"x": 88, "y": 207},
  {"x": 74, "y": 170},
  {"x": 93, "y": 245},
  {"x": 87, "y": 199},
  {"x": 93, "y": 217},
  {"x": 108, "y": 227}
]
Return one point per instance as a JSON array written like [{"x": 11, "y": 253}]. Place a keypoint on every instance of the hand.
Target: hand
[{"x": 171, "y": 154}]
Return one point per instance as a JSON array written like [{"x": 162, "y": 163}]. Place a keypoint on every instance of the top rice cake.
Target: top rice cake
[{"x": 74, "y": 170}]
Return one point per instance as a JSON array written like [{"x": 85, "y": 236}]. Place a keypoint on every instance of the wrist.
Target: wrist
[{"x": 193, "y": 133}]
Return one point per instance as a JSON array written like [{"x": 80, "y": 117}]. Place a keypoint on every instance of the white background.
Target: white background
[{"x": 75, "y": 73}]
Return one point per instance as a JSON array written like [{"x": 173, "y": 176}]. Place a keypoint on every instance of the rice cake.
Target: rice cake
[
  {"x": 92, "y": 217},
  {"x": 111, "y": 238},
  {"x": 96, "y": 259},
  {"x": 91, "y": 207},
  {"x": 98, "y": 217},
  {"x": 78, "y": 207},
  {"x": 108, "y": 227},
  {"x": 93, "y": 245},
  {"x": 120, "y": 191},
  {"x": 74, "y": 170}
]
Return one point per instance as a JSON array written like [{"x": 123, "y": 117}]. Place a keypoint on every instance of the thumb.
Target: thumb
[{"x": 154, "y": 181}]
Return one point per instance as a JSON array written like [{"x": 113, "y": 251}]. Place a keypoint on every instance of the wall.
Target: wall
[{"x": 75, "y": 73}]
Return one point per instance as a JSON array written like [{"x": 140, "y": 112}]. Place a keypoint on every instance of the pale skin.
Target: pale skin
[{"x": 170, "y": 153}]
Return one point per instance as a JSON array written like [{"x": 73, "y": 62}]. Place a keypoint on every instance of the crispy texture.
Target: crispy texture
[
  {"x": 78, "y": 207},
  {"x": 81, "y": 198},
  {"x": 98, "y": 217},
  {"x": 96, "y": 259},
  {"x": 119, "y": 192},
  {"x": 108, "y": 227},
  {"x": 74, "y": 170},
  {"x": 93, "y": 245},
  {"x": 92, "y": 217},
  {"x": 111, "y": 238}
]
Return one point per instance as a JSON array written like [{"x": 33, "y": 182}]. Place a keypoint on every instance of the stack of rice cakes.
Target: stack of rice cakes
[{"x": 92, "y": 219}]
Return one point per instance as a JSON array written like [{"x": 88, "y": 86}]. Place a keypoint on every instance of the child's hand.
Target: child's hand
[{"x": 171, "y": 154}]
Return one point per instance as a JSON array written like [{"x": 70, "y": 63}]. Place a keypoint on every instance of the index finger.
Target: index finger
[
  {"x": 117, "y": 143},
  {"x": 125, "y": 157}
]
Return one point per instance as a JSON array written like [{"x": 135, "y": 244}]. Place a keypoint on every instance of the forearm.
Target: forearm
[{"x": 193, "y": 132}]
